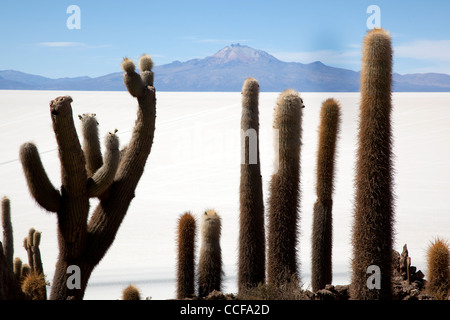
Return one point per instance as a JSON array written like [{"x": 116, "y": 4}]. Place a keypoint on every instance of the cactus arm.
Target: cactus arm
[
  {"x": 38, "y": 182},
  {"x": 73, "y": 171},
  {"x": 91, "y": 143},
  {"x": 104, "y": 176},
  {"x": 111, "y": 211},
  {"x": 74, "y": 210}
]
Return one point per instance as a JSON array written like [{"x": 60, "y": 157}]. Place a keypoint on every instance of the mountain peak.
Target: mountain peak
[{"x": 242, "y": 53}]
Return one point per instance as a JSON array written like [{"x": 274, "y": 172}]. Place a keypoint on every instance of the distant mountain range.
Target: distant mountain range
[{"x": 226, "y": 71}]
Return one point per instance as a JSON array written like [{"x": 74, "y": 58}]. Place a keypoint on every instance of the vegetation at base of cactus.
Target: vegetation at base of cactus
[
  {"x": 284, "y": 191},
  {"x": 321, "y": 269},
  {"x": 131, "y": 293},
  {"x": 438, "y": 275},
  {"x": 85, "y": 238},
  {"x": 210, "y": 270},
  {"x": 186, "y": 256},
  {"x": 373, "y": 212},
  {"x": 251, "y": 233},
  {"x": 35, "y": 286}
]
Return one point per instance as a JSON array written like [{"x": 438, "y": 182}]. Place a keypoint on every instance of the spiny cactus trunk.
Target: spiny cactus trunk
[
  {"x": 83, "y": 243},
  {"x": 210, "y": 270},
  {"x": 373, "y": 214},
  {"x": 251, "y": 233},
  {"x": 8, "y": 240},
  {"x": 284, "y": 188},
  {"x": 321, "y": 268},
  {"x": 186, "y": 256}
]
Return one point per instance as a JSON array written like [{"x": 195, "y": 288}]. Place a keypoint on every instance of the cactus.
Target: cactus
[
  {"x": 31, "y": 245},
  {"x": 131, "y": 293},
  {"x": 12, "y": 272},
  {"x": 438, "y": 278},
  {"x": 8, "y": 239},
  {"x": 322, "y": 217},
  {"x": 186, "y": 256},
  {"x": 34, "y": 285},
  {"x": 251, "y": 232},
  {"x": 84, "y": 242},
  {"x": 284, "y": 189},
  {"x": 373, "y": 212},
  {"x": 210, "y": 271}
]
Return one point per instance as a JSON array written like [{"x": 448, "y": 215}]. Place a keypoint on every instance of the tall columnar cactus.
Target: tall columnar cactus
[
  {"x": 438, "y": 273},
  {"x": 186, "y": 256},
  {"x": 83, "y": 243},
  {"x": 322, "y": 213},
  {"x": 8, "y": 239},
  {"x": 251, "y": 233},
  {"x": 284, "y": 189},
  {"x": 210, "y": 270},
  {"x": 373, "y": 212}
]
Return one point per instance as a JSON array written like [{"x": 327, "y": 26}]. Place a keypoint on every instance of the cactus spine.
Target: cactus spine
[
  {"x": 210, "y": 262},
  {"x": 186, "y": 256},
  {"x": 438, "y": 258},
  {"x": 251, "y": 232},
  {"x": 322, "y": 212},
  {"x": 84, "y": 242},
  {"x": 373, "y": 214},
  {"x": 284, "y": 188}
]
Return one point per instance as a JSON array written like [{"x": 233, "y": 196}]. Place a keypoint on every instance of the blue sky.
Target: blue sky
[{"x": 35, "y": 37}]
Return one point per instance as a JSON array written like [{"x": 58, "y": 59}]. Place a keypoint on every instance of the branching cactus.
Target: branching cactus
[
  {"x": 186, "y": 256},
  {"x": 210, "y": 270},
  {"x": 251, "y": 233},
  {"x": 284, "y": 188},
  {"x": 113, "y": 180},
  {"x": 373, "y": 212},
  {"x": 322, "y": 213}
]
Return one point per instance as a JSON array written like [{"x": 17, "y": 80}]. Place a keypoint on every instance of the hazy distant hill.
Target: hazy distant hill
[{"x": 226, "y": 70}]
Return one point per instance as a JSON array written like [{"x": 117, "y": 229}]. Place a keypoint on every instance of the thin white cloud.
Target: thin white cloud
[
  {"x": 430, "y": 50},
  {"x": 56, "y": 44}
]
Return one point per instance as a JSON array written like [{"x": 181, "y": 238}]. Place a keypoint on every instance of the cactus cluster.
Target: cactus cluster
[
  {"x": 267, "y": 264},
  {"x": 19, "y": 280},
  {"x": 209, "y": 273}
]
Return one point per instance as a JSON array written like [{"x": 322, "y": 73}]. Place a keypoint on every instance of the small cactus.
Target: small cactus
[
  {"x": 34, "y": 285},
  {"x": 186, "y": 256},
  {"x": 131, "y": 293},
  {"x": 438, "y": 278},
  {"x": 210, "y": 271}
]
